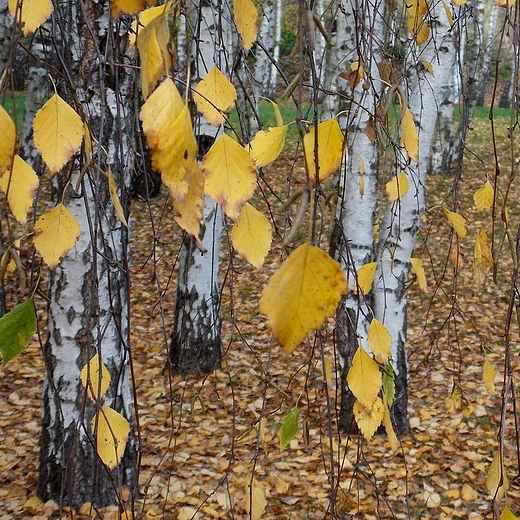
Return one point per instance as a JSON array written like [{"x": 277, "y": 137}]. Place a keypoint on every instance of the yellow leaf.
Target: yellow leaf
[
  {"x": 427, "y": 65},
  {"x": 483, "y": 257},
  {"x": 215, "y": 94},
  {"x": 58, "y": 132},
  {"x": 112, "y": 430},
  {"x": 144, "y": 18},
  {"x": 304, "y": 291},
  {"x": 33, "y": 505},
  {"x": 419, "y": 29},
  {"x": 365, "y": 277},
  {"x": 484, "y": 196},
  {"x": 489, "y": 374},
  {"x": 152, "y": 43},
  {"x": 20, "y": 187},
  {"x": 507, "y": 514},
  {"x": 191, "y": 208},
  {"x": 409, "y": 137},
  {"x": 397, "y": 187},
  {"x": 255, "y": 499},
  {"x": 251, "y": 235},
  {"x": 458, "y": 2},
  {"x": 497, "y": 482},
  {"x": 457, "y": 221},
  {"x": 369, "y": 421},
  {"x": 364, "y": 378},
  {"x": 505, "y": 3},
  {"x": 56, "y": 233},
  {"x": 449, "y": 14},
  {"x": 230, "y": 175},
  {"x": 33, "y": 14},
  {"x": 418, "y": 269},
  {"x": 246, "y": 18},
  {"x": 8, "y": 141},
  {"x": 330, "y": 149},
  {"x": 327, "y": 372},
  {"x": 266, "y": 146},
  {"x": 277, "y": 113},
  {"x": 95, "y": 378},
  {"x": 387, "y": 422},
  {"x": 380, "y": 341},
  {"x": 115, "y": 197},
  {"x": 127, "y": 6}
]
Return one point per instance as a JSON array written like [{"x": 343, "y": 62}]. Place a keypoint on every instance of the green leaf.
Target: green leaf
[
  {"x": 389, "y": 383},
  {"x": 289, "y": 427},
  {"x": 16, "y": 330}
]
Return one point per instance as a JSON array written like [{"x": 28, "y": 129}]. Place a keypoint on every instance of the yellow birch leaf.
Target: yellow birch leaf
[
  {"x": 489, "y": 374},
  {"x": 483, "y": 257},
  {"x": 409, "y": 137},
  {"x": 458, "y": 2},
  {"x": 56, "y": 233},
  {"x": 505, "y": 3},
  {"x": 427, "y": 65},
  {"x": 364, "y": 378},
  {"x": 277, "y": 113},
  {"x": 369, "y": 421},
  {"x": 449, "y": 14},
  {"x": 8, "y": 141},
  {"x": 215, "y": 94},
  {"x": 255, "y": 499},
  {"x": 327, "y": 372},
  {"x": 387, "y": 422},
  {"x": 304, "y": 291},
  {"x": 191, "y": 207},
  {"x": 144, "y": 18},
  {"x": 418, "y": 269},
  {"x": 484, "y": 196},
  {"x": 34, "y": 13},
  {"x": 419, "y": 29},
  {"x": 356, "y": 74},
  {"x": 497, "y": 482},
  {"x": 58, "y": 132},
  {"x": 265, "y": 147},
  {"x": 87, "y": 141},
  {"x": 111, "y": 430},
  {"x": 11, "y": 266},
  {"x": 246, "y": 18},
  {"x": 127, "y": 6},
  {"x": 330, "y": 149},
  {"x": 230, "y": 177},
  {"x": 380, "y": 341},
  {"x": 251, "y": 235},
  {"x": 365, "y": 277},
  {"x": 95, "y": 378},
  {"x": 457, "y": 221},
  {"x": 507, "y": 514},
  {"x": 112, "y": 188},
  {"x": 397, "y": 187},
  {"x": 20, "y": 187}
]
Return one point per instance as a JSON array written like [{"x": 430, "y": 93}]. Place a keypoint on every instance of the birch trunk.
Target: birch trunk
[
  {"x": 89, "y": 290},
  {"x": 266, "y": 35}
]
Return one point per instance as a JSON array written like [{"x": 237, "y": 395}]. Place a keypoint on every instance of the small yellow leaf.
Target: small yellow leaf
[
  {"x": 304, "y": 291},
  {"x": 144, "y": 18},
  {"x": 277, "y": 113},
  {"x": 251, "y": 235},
  {"x": 449, "y": 14},
  {"x": 115, "y": 197},
  {"x": 457, "y": 221},
  {"x": 56, "y": 233},
  {"x": 327, "y": 372},
  {"x": 58, "y": 132},
  {"x": 369, "y": 421},
  {"x": 127, "y": 6},
  {"x": 483, "y": 257},
  {"x": 418, "y": 269},
  {"x": 230, "y": 177},
  {"x": 497, "y": 482},
  {"x": 428, "y": 66},
  {"x": 484, "y": 196},
  {"x": 505, "y": 3},
  {"x": 489, "y": 374},
  {"x": 387, "y": 422},
  {"x": 33, "y": 505},
  {"x": 255, "y": 498},
  {"x": 380, "y": 341},
  {"x": 458, "y": 2},
  {"x": 246, "y": 18},
  {"x": 419, "y": 29},
  {"x": 95, "y": 378},
  {"x": 330, "y": 149},
  {"x": 215, "y": 94},
  {"x": 112, "y": 430},
  {"x": 20, "y": 186},
  {"x": 507, "y": 514},
  {"x": 365, "y": 277},
  {"x": 409, "y": 137},
  {"x": 397, "y": 187},
  {"x": 364, "y": 379},
  {"x": 266, "y": 146},
  {"x": 33, "y": 14},
  {"x": 8, "y": 142}
]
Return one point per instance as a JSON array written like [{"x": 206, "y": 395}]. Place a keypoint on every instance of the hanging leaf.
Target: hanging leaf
[
  {"x": 458, "y": 222},
  {"x": 127, "y": 6},
  {"x": 255, "y": 499},
  {"x": 354, "y": 75},
  {"x": 484, "y": 196},
  {"x": 418, "y": 270},
  {"x": 397, "y": 187},
  {"x": 380, "y": 341},
  {"x": 111, "y": 430},
  {"x": 215, "y": 94},
  {"x": 145, "y": 17},
  {"x": 364, "y": 378},
  {"x": 251, "y": 235},
  {"x": 409, "y": 136},
  {"x": 16, "y": 330},
  {"x": 369, "y": 421},
  {"x": 497, "y": 482},
  {"x": 489, "y": 374},
  {"x": 56, "y": 233},
  {"x": 365, "y": 277},
  {"x": 8, "y": 141},
  {"x": 483, "y": 257},
  {"x": 230, "y": 177},
  {"x": 95, "y": 378},
  {"x": 115, "y": 197},
  {"x": 266, "y": 146},
  {"x": 428, "y": 66},
  {"x": 387, "y": 422},
  {"x": 246, "y": 20},
  {"x": 419, "y": 29},
  {"x": 277, "y": 113},
  {"x": 304, "y": 291},
  {"x": 20, "y": 187},
  {"x": 507, "y": 514},
  {"x": 58, "y": 132},
  {"x": 33, "y": 13},
  {"x": 330, "y": 149},
  {"x": 289, "y": 428},
  {"x": 448, "y": 12},
  {"x": 389, "y": 384},
  {"x": 506, "y": 4}
]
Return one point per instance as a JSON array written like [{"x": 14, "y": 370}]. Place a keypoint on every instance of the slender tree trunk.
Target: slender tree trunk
[
  {"x": 266, "y": 35},
  {"x": 89, "y": 290}
]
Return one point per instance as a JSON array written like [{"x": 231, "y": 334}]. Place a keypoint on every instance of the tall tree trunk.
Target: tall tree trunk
[
  {"x": 266, "y": 36},
  {"x": 89, "y": 290}
]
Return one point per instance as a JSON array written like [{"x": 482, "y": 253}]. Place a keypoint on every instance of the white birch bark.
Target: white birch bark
[{"x": 266, "y": 36}]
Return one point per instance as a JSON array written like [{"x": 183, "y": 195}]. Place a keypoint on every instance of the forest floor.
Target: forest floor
[{"x": 202, "y": 438}]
